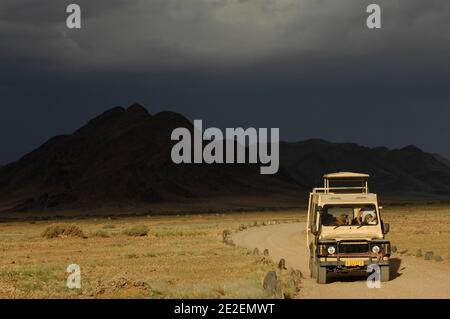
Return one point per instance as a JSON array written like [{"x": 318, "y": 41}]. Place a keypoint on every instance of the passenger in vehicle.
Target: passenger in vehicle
[{"x": 366, "y": 216}]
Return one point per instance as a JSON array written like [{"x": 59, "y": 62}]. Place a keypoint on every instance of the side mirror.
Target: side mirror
[
  {"x": 385, "y": 228},
  {"x": 313, "y": 231}
]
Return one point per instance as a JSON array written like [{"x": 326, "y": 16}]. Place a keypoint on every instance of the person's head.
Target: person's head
[{"x": 369, "y": 218}]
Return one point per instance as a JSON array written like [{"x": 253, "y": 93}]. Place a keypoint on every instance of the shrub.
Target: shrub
[
  {"x": 63, "y": 230},
  {"x": 131, "y": 255},
  {"x": 101, "y": 233},
  {"x": 438, "y": 258},
  {"x": 291, "y": 283},
  {"x": 429, "y": 255},
  {"x": 137, "y": 231},
  {"x": 419, "y": 253}
]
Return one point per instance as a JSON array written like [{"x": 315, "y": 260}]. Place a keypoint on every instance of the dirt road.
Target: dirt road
[{"x": 411, "y": 277}]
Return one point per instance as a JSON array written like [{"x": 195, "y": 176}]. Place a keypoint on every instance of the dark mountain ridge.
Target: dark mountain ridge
[
  {"x": 123, "y": 157},
  {"x": 400, "y": 171}
]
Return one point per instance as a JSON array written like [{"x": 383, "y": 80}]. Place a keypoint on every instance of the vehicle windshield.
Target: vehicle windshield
[{"x": 348, "y": 215}]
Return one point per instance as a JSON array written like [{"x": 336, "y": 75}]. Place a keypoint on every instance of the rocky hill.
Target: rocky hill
[{"x": 123, "y": 157}]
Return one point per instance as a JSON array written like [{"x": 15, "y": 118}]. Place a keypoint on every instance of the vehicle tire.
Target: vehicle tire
[
  {"x": 321, "y": 275},
  {"x": 312, "y": 268},
  {"x": 384, "y": 273}
]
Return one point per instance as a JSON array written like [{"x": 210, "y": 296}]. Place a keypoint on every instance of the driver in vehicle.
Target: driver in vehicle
[{"x": 342, "y": 220}]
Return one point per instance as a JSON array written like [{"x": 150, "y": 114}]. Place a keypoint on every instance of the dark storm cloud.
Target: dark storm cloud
[
  {"x": 138, "y": 33},
  {"x": 310, "y": 67}
]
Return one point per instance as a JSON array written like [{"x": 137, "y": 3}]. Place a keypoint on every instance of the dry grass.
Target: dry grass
[
  {"x": 419, "y": 229},
  {"x": 179, "y": 257}
]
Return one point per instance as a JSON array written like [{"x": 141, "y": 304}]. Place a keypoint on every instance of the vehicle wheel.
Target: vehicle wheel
[
  {"x": 384, "y": 273},
  {"x": 312, "y": 268},
  {"x": 321, "y": 275}
]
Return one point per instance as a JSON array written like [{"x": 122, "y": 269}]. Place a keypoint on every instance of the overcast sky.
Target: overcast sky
[{"x": 309, "y": 67}]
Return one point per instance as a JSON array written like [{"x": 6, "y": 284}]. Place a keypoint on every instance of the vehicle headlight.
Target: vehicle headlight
[
  {"x": 376, "y": 249},
  {"x": 331, "y": 250}
]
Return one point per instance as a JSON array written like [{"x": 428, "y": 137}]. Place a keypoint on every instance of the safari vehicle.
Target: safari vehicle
[{"x": 345, "y": 232}]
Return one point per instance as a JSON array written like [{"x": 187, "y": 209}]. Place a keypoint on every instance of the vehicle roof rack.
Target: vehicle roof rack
[{"x": 344, "y": 177}]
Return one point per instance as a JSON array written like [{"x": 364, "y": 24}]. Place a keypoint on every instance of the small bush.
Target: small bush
[
  {"x": 429, "y": 255},
  {"x": 419, "y": 253},
  {"x": 291, "y": 283},
  {"x": 438, "y": 258},
  {"x": 100, "y": 233},
  {"x": 137, "y": 231},
  {"x": 63, "y": 230}
]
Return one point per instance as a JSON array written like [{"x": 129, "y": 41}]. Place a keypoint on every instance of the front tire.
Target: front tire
[
  {"x": 321, "y": 275},
  {"x": 384, "y": 273}
]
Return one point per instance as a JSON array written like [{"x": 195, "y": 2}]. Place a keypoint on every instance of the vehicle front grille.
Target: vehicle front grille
[{"x": 353, "y": 248}]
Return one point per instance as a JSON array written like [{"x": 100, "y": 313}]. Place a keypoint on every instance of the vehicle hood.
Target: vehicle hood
[{"x": 351, "y": 232}]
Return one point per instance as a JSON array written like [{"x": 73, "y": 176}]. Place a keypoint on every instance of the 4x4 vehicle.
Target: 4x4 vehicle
[{"x": 345, "y": 232}]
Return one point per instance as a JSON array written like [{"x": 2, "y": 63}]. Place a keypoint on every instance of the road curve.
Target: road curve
[{"x": 411, "y": 277}]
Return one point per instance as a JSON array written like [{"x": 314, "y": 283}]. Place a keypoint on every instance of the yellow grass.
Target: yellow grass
[
  {"x": 425, "y": 227},
  {"x": 181, "y": 257}
]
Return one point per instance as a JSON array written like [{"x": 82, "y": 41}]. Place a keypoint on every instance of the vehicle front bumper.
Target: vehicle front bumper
[{"x": 340, "y": 263}]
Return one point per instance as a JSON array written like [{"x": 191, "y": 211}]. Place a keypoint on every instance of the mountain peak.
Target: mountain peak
[
  {"x": 137, "y": 109},
  {"x": 109, "y": 115}
]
